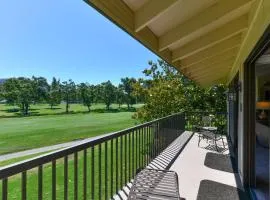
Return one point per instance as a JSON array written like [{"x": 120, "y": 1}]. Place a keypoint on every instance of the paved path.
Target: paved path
[{"x": 45, "y": 149}]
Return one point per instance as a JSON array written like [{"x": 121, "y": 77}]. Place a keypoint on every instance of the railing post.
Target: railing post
[
  {"x": 24, "y": 182},
  {"x": 99, "y": 171},
  {"x": 40, "y": 182},
  {"x": 53, "y": 180},
  {"x": 85, "y": 174},
  {"x": 66, "y": 178},
  {"x": 75, "y": 175},
  {"x": 93, "y": 172},
  {"x": 106, "y": 170},
  {"x": 5, "y": 189}
]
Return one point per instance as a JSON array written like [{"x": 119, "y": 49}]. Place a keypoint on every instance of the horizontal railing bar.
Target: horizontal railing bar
[
  {"x": 25, "y": 165},
  {"x": 206, "y": 112}
]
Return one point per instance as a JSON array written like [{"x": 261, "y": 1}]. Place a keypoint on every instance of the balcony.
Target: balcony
[{"x": 105, "y": 167}]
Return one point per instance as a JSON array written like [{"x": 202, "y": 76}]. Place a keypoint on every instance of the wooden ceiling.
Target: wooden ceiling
[{"x": 201, "y": 38}]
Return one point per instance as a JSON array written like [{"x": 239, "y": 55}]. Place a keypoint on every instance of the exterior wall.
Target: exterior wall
[{"x": 259, "y": 21}]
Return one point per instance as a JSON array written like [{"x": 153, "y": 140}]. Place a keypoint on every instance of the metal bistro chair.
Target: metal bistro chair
[
  {"x": 206, "y": 120},
  {"x": 155, "y": 184},
  {"x": 210, "y": 135}
]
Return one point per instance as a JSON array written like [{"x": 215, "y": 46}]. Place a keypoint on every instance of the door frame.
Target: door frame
[
  {"x": 233, "y": 114},
  {"x": 249, "y": 109}
]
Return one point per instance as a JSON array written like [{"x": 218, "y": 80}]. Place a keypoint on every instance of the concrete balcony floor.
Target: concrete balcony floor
[
  {"x": 191, "y": 169},
  {"x": 191, "y": 163}
]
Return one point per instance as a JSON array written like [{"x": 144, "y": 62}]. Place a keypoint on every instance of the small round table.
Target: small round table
[{"x": 209, "y": 128}]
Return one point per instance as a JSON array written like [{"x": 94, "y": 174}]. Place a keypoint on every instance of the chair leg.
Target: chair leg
[
  {"x": 216, "y": 145},
  {"x": 223, "y": 142}
]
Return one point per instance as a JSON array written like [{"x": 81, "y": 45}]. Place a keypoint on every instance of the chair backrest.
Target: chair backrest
[{"x": 206, "y": 120}]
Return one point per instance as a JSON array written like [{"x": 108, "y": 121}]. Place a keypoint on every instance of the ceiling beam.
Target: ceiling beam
[
  {"x": 121, "y": 15},
  {"x": 213, "y": 82},
  {"x": 218, "y": 77},
  {"x": 225, "y": 32},
  {"x": 218, "y": 49},
  {"x": 211, "y": 74},
  {"x": 150, "y": 11},
  {"x": 209, "y": 82},
  {"x": 215, "y": 59},
  {"x": 209, "y": 68},
  {"x": 220, "y": 13}
]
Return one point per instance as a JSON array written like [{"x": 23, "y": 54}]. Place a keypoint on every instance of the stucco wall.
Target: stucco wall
[{"x": 259, "y": 21}]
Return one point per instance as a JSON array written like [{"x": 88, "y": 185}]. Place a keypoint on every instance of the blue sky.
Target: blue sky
[{"x": 66, "y": 39}]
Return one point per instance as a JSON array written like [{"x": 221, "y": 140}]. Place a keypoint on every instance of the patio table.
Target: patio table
[
  {"x": 210, "y": 133},
  {"x": 209, "y": 128}
]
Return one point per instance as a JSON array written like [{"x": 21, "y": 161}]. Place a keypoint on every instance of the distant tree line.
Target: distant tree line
[
  {"x": 24, "y": 91},
  {"x": 163, "y": 91}
]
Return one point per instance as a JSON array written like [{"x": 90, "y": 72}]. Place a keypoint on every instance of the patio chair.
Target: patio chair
[
  {"x": 155, "y": 184},
  {"x": 210, "y": 135},
  {"x": 206, "y": 120}
]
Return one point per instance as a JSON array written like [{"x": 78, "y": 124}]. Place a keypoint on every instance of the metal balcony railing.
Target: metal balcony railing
[{"x": 93, "y": 170}]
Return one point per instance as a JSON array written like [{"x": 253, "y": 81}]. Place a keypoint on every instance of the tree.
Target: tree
[
  {"x": 10, "y": 90},
  {"x": 54, "y": 95},
  {"x": 87, "y": 94},
  {"x": 98, "y": 93},
  {"x": 1, "y": 92},
  {"x": 167, "y": 91},
  {"x": 40, "y": 89},
  {"x": 19, "y": 91},
  {"x": 68, "y": 92},
  {"x": 128, "y": 89},
  {"x": 26, "y": 94},
  {"x": 108, "y": 93},
  {"x": 119, "y": 96}
]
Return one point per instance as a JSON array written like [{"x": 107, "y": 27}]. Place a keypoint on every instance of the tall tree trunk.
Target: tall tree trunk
[
  {"x": 22, "y": 107},
  {"x": 88, "y": 108},
  {"x": 26, "y": 108},
  {"x": 67, "y": 106},
  {"x": 51, "y": 106}
]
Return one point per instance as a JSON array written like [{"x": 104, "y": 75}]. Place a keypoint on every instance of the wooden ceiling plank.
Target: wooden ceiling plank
[
  {"x": 209, "y": 82},
  {"x": 209, "y": 68},
  {"x": 223, "y": 33},
  {"x": 209, "y": 53},
  {"x": 212, "y": 82},
  {"x": 120, "y": 14},
  {"x": 221, "y": 12},
  {"x": 212, "y": 74},
  {"x": 215, "y": 59},
  {"x": 150, "y": 11}
]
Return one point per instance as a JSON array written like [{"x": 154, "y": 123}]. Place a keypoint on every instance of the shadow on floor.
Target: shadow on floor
[
  {"x": 220, "y": 162},
  {"x": 210, "y": 190}
]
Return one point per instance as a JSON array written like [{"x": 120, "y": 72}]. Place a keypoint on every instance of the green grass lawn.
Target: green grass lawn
[
  {"x": 19, "y": 134},
  {"x": 44, "y": 109},
  {"x": 15, "y": 160},
  {"x": 131, "y": 153}
]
